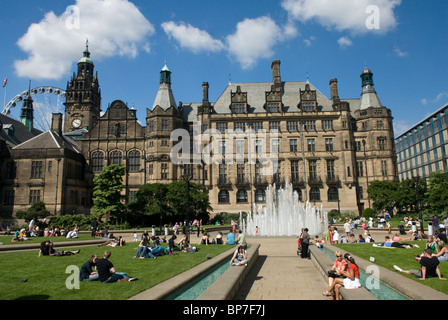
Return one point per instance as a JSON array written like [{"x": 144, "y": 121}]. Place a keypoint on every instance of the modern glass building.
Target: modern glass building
[{"x": 423, "y": 148}]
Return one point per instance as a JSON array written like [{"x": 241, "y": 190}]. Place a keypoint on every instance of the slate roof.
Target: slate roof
[
  {"x": 21, "y": 133},
  {"x": 49, "y": 140}
]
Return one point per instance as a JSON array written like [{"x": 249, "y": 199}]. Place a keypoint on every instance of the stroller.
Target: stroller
[{"x": 299, "y": 247}]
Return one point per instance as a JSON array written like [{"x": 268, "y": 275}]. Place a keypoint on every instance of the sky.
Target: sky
[{"x": 403, "y": 42}]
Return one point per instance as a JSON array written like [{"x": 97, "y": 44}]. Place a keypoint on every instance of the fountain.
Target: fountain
[{"x": 284, "y": 215}]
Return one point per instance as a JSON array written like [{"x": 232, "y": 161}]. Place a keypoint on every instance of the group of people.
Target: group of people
[
  {"x": 102, "y": 270},
  {"x": 435, "y": 252}
]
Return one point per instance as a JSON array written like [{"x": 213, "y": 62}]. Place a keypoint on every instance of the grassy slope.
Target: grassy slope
[{"x": 47, "y": 275}]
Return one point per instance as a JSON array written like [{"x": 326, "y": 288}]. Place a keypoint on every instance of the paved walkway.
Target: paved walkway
[{"x": 279, "y": 274}]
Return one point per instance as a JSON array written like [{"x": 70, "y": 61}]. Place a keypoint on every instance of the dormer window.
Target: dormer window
[
  {"x": 238, "y": 108},
  {"x": 273, "y": 107},
  {"x": 239, "y": 101},
  {"x": 9, "y": 129}
]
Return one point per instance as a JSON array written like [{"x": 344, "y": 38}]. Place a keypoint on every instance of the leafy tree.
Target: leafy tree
[
  {"x": 406, "y": 194},
  {"x": 384, "y": 195},
  {"x": 436, "y": 196},
  {"x": 37, "y": 210},
  {"x": 169, "y": 201},
  {"x": 198, "y": 202},
  {"x": 150, "y": 201},
  {"x": 107, "y": 197}
]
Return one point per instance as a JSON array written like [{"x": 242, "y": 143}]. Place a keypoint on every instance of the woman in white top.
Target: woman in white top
[{"x": 335, "y": 236}]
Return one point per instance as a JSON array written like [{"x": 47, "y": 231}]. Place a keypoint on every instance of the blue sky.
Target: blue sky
[{"x": 217, "y": 41}]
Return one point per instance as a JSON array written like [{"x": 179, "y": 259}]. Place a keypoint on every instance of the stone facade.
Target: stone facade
[{"x": 329, "y": 149}]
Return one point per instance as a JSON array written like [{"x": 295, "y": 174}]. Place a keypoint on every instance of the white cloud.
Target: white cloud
[
  {"x": 400, "y": 52},
  {"x": 344, "y": 42},
  {"x": 309, "y": 42},
  {"x": 345, "y": 15},
  {"x": 113, "y": 27},
  {"x": 192, "y": 38},
  {"x": 255, "y": 39}
]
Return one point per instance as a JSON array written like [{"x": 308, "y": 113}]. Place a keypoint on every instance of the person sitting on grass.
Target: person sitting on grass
[
  {"x": 430, "y": 266},
  {"x": 142, "y": 247},
  {"x": 107, "y": 272},
  {"x": 239, "y": 257},
  {"x": 432, "y": 244},
  {"x": 442, "y": 255},
  {"x": 88, "y": 272}
]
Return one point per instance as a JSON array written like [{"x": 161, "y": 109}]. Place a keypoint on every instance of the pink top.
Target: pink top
[{"x": 342, "y": 265}]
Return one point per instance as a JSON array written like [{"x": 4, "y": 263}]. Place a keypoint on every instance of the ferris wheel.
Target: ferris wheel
[{"x": 46, "y": 101}]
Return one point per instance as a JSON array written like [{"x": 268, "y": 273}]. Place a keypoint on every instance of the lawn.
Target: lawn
[
  {"x": 46, "y": 276},
  {"x": 404, "y": 258}
]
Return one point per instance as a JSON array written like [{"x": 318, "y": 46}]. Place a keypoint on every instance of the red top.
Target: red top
[{"x": 355, "y": 269}]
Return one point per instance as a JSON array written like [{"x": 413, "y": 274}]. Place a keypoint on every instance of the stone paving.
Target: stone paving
[{"x": 280, "y": 274}]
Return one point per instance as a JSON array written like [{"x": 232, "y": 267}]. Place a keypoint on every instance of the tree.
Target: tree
[
  {"x": 150, "y": 201},
  {"x": 37, "y": 210},
  {"x": 107, "y": 197},
  {"x": 169, "y": 202},
  {"x": 436, "y": 196},
  {"x": 384, "y": 195}
]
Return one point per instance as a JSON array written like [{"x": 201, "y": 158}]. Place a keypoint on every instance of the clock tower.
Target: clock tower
[{"x": 83, "y": 100}]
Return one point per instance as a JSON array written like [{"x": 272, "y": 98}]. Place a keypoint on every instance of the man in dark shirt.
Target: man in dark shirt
[
  {"x": 430, "y": 266},
  {"x": 107, "y": 272}
]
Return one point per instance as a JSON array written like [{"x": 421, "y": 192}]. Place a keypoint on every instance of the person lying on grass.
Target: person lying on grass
[{"x": 46, "y": 249}]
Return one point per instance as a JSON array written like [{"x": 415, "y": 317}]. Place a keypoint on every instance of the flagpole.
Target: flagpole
[{"x": 6, "y": 85}]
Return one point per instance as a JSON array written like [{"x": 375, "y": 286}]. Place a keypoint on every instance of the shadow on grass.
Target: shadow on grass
[{"x": 34, "y": 297}]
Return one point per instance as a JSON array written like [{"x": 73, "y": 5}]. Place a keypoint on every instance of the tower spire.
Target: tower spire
[{"x": 27, "y": 114}]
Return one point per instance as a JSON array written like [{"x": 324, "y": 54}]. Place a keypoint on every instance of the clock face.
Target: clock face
[{"x": 76, "y": 123}]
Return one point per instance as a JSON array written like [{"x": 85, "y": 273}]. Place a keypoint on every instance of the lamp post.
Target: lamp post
[
  {"x": 417, "y": 205},
  {"x": 367, "y": 174},
  {"x": 187, "y": 177}
]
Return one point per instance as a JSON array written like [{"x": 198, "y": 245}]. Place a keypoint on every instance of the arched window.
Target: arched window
[
  {"x": 333, "y": 194},
  {"x": 241, "y": 196},
  {"x": 115, "y": 157},
  {"x": 97, "y": 161},
  {"x": 315, "y": 194},
  {"x": 223, "y": 196},
  {"x": 260, "y": 195},
  {"x": 134, "y": 161}
]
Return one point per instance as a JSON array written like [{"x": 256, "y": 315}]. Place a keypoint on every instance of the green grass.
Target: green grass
[
  {"x": 47, "y": 275},
  {"x": 404, "y": 258}
]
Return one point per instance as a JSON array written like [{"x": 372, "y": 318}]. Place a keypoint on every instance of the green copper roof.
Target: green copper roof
[
  {"x": 165, "y": 68},
  {"x": 86, "y": 57}
]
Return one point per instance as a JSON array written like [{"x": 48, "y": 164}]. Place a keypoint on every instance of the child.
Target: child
[{"x": 135, "y": 239}]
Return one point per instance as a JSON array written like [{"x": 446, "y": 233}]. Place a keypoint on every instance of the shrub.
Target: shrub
[{"x": 368, "y": 213}]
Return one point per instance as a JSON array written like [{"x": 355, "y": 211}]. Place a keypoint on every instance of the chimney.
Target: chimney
[
  {"x": 205, "y": 100},
  {"x": 334, "y": 90},
  {"x": 276, "y": 78},
  {"x": 56, "y": 123}
]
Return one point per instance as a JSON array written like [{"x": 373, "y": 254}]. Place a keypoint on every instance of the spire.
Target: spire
[
  {"x": 86, "y": 55},
  {"x": 27, "y": 114},
  {"x": 369, "y": 97},
  {"x": 165, "y": 98}
]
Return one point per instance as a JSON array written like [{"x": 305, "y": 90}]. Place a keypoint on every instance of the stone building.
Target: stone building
[{"x": 253, "y": 135}]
